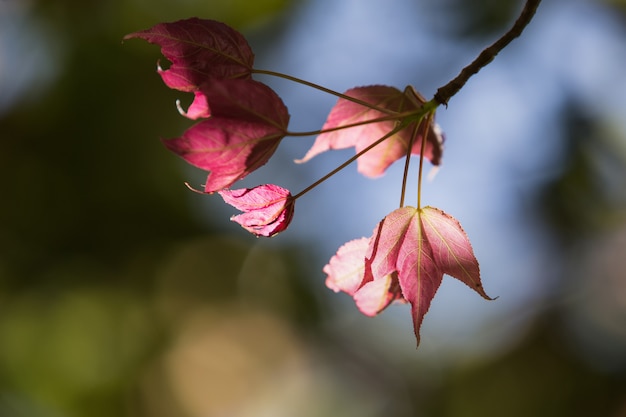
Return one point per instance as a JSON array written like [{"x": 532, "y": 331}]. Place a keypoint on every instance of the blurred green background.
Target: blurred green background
[{"x": 118, "y": 299}]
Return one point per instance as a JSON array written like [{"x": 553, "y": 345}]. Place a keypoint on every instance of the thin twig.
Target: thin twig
[{"x": 487, "y": 55}]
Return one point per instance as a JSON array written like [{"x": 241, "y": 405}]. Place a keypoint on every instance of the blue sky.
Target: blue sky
[{"x": 502, "y": 140}]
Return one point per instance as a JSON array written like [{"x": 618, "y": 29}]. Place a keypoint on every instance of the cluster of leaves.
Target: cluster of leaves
[{"x": 241, "y": 124}]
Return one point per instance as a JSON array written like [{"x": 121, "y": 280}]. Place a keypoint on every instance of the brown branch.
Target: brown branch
[{"x": 487, "y": 55}]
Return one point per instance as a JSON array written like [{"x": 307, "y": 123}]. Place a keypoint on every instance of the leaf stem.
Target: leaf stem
[
  {"x": 348, "y": 162},
  {"x": 487, "y": 55},
  {"x": 321, "y": 88},
  {"x": 429, "y": 120},
  {"x": 407, "y": 159},
  {"x": 427, "y": 108},
  {"x": 397, "y": 116}
]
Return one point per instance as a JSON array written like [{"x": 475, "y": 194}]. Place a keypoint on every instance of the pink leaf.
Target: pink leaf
[
  {"x": 408, "y": 254},
  {"x": 268, "y": 209},
  {"x": 247, "y": 123},
  {"x": 345, "y": 272},
  {"x": 375, "y": 162},
  {"x": 374, "y": 296},
  {"x": 451, "y": 248},
  {"x": 199, "y": 108},
  {"x": 345, "y": 269},
  {"x": 199, "y": 49},
  {"x": 399, "y": 246}
]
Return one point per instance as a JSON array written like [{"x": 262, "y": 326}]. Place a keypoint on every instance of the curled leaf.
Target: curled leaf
[
  {"x": 248, "y": 121},
  {"x": 199, "y": 108},
  {"x": 345, "y": 269},
  {"x": 268, "y": 209},
  {"x": 346, "y": 272},
  {"x": 374, "y": 296},
  {"x": 199, "y": 49},
  {"x": 388, "y": 101}
]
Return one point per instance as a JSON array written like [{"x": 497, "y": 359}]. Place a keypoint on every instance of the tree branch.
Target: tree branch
[{"x": 487, "y": 55}]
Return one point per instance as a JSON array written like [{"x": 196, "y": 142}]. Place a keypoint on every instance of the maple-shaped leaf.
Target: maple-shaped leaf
[
  {"x": 199, "y": 49},
  {"x": 248, "y": 121},
  {"x": 268, "y": 209},
  {"x": 421, "y": 245},
  {"x": 406, "y": 257},
  {"x": 376, "y": 161}
]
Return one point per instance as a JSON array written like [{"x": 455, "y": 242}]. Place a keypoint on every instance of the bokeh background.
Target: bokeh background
[{"x": 124, "y": 294}]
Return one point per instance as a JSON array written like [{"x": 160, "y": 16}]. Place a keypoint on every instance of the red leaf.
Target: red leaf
[
  {"x": 268, "y": 209},
  {"x": 411, "y": 249},
  {"x": 199, "y": 49},
  {"x": 247, "y": 123},
  {"x": 375, "y": 162}
]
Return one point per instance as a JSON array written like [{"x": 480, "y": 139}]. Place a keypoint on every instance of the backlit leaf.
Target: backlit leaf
[
  {"x": 199, "y": 49},
  {"x": 345, "y": 269},
  {"x": 248, "y": 121},
  {"x": 451, "y": 248},
  {"x": 374, "y": 296},
  {"x": 375, "y": 162},
  {"x": 268, "y": 209},
  {"x": 406, "y": 257}
]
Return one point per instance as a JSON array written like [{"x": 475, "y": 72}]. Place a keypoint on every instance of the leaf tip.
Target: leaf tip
[{"x": 129, "y": 36}]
